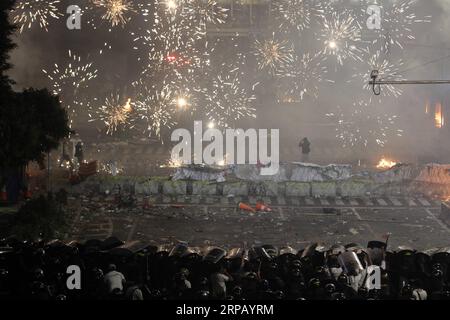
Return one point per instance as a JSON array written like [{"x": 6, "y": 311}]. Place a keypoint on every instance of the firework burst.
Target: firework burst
[
  {"x": 303, "y": 76},
  {"x": 69, "y": 80},
  {"x": 226, "y": 101},
  {"x": 386, "y": 71},
  {"x": 340, "y": 35},
  {"x": 205, "y": 12},
  {"x": 157, "y": 109},
  {"x": 363, "y": 127},
  {"x": 115, "y": 113},
  {"x": 116, "y": 11},
  {"x": 28, "y": 12},
  {"x": 399, "y": 18},
  {"x": 273, "y": 55},
  {"x": 296, "y": 14}
]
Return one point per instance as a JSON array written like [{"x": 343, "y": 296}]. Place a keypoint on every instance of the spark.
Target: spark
[
  {"x": 206, "y": 12},
  {"x": 111, "y": 168},
  {"x": 114, "y": 113},
  {"x": 155, "y": 107},
  {"x": 227, "y": 101},
  {"x": 28, "y": 12},
  {"x": 296, "y": 14},
  {"x": 386, "y": 71},
  {"x": 172, "y": 52},
  {"x": 115, "y": 11},
  {"x": 363, "y": 126},
  {"x": 185, "y": 101},
  {"x": 68, "y": 81},
  {"x": 340, "y": 34},
  {"x": 273, "y": 55},
  {"x": 303, "y": 76},
  {"x": 399, "y": 17},
  {"x": 171, "y": 5}
]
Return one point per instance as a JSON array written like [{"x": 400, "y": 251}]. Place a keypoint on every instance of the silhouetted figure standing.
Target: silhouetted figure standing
[
  {"x": 79, "y": 152},
  {"x": 305, "y": 145}
]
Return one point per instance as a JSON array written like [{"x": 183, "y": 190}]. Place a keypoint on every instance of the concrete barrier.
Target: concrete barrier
[
  {"x": 147, "y": 187},
  {"x": 323, "y": 189},
  {"x": 355, "y": 188},
  {"x": 264, "y": 189},
  {"x": 204, "y": 188},
  {"x": 174, "y": 187},
  {"x": 297, "y": 189},
  {"x": 400, "y": 181},
  {"x": 235, "y": 188}
]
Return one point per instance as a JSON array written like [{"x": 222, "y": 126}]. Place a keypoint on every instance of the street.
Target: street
[{"x": 413, "y": 222}]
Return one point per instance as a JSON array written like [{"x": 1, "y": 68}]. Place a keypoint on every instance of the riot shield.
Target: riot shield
[
  {"x": 179, "y": 249},
  {"x": 336, "y": 250},
  {"x": 271, "y": 250},
  {"x": 350, "y": 263},
  {"x": 259, "y": 253},
  {"x": 287, "y": 251},
  {"x": 235, "y": 253},
  {"x": 309, "y": 250},
  {"x": 215, "y": 255}
]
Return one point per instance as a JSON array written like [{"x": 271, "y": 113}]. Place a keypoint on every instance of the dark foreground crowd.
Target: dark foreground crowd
[{"x": 112, "y": 270}]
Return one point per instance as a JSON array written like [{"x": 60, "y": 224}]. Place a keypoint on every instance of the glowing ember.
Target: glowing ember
[
  {"x": 386, "y": 164},
  {"x": 127, "y": 106},
  {"x": 438, "y": 116},
  {"x": 172, "y": 163}
]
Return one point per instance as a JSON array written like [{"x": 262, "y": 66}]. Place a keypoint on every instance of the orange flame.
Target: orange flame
[
  {"x": 438, "y": 116},
  {"x": 386, "y": 164}
]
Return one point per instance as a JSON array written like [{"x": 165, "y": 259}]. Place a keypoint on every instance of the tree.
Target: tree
[
  {"x": 31, "y": 122},
  {"x": 35, "y": 123},
  {"x": 40, "y": 218},
  {"x": 6, "y": 44}
]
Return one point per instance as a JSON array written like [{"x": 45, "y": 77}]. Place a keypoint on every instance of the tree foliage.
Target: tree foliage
[
  {"x": 40, "y": 218},
  {"x": 6, "y": 44},
  {"x": 32, "y": 122}
]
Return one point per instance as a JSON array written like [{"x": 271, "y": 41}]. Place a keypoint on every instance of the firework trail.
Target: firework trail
[
  {"x": 28, "y": 12},
  {"x": 362, "y": 126},
  {"x": 296, "y": 15},
  {"x": 205, "y": 12},
  {"x": 157, "y": 108},
  {"x": 69, "y": 80},
  {"x": 115, "y": 113},
  {"x": 273, "y": 55},
  {"x": 115, "y": 11},
  {"x": 225, "y": 99},
  {"x": 174, "y": 53},
  {"x": 398, "y": 20},
  {"x": 303, "y": 76},
  {"x": 386, "y": 70},
  {"x": 340, "y": 35}
]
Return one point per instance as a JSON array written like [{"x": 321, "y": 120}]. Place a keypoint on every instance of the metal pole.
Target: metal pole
[{"x": 398, "y": 82}]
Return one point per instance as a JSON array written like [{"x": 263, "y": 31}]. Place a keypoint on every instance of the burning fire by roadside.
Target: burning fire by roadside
[
  {"x": 385, "y": 163},
  {"x": 439, "y": 116}
]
